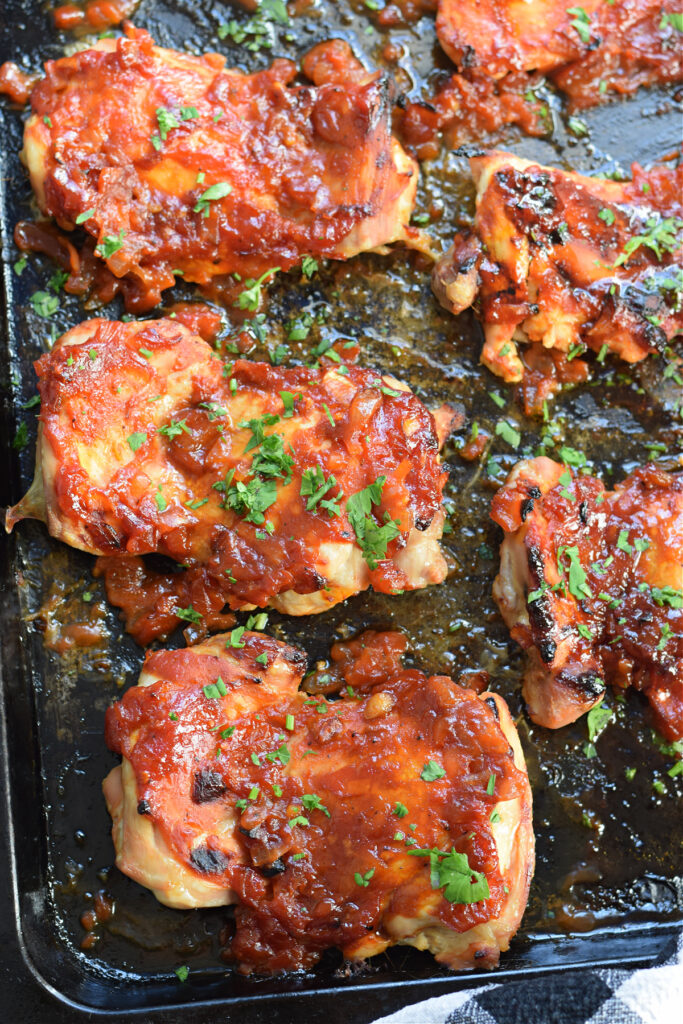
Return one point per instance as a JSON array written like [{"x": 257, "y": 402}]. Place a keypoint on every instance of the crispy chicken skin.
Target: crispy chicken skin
[
  {"x": 623, "y": 45},
  {"x": 149, "y": 442},
  {"x": 309, "y": 813},
  {"x": 591, "y": 585},
  {"x": 567, "y": 262},
  {"x": 187, "y": 167}
]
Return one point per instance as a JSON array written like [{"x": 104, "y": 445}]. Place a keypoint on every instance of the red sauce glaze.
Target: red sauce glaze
[
  {"x": 474, "y": 447},
  {"x": 364, "y": 661},
  {"x": 343, "y": 424},
  {"x": 499, "y": 53},
  {"x": 357, "y": 762},
  {"x": 402, "y": 12},
  {"x": 466, "y": 107},
  {"x": 305, "y": 166},
  {"x": 566, "y": 263},
  {"x": 562, "y": 270},
  {"x": 95, "y": 15},
  {"x": 204, "y": 321},
  {"x": 633, "y": 608},
  {"x": 15, "y": 83},
  {"x": 638, "y": 46},
  {"x": 546, "y": 371}
]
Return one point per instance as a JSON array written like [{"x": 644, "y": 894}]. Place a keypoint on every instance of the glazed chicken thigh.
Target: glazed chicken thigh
[
  {"x": 623, "y": 44},
  {"x": 568, "y": 263},
  {"x": 293, "y": 488},
  {"x": 399, "y": 813},
  {"x": 176, "y": 165},
  {"x": 591, "y": 585}
]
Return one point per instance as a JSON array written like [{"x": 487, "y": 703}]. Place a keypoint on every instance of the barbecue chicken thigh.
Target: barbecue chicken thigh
[
  {"x": 589, "y": 51},
  {"x": 399, "y": 813},
  {"x": 175, "y": 165},
  {"x": 567, "y": 262},
  {"x": 293, "y": 488},
  {"x": 591, "y": 585}
]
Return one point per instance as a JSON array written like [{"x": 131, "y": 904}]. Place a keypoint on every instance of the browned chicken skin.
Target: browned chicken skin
[
  {"x": 567, "y": 262},
  {"x": 591, "y": 585},
  {"x": 317, "y": 816},
  {"x": 292, "y": 487},
  {"x": 624, "y": 44},
  {"x": 175, "y": 165}
]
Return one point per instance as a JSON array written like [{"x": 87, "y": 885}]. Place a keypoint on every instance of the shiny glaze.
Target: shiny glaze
[
  {"x": 93, "y": 15},
  {"x": 360, "y": 755},
  {"x": 544, "y": 264},
  {"x": 101, "y": 496},
  {"x": 312, "y": 170},
  {"x": 633, "y": 639},
  {"x": 501, "y": 49},
  {"x": 15, "y": 83}
]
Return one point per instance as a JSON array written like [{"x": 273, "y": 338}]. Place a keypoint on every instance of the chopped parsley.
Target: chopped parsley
[
  {"x": 166, "y": 120},
  {"x": 174, "y": 428},
  {"x": 597, "y": 720},
  {"x": 136, "y": 440},
  {"x": 578, "y": 581},
  {"x": 235, "y": 639},
  {"x": 212, "y": 691},
  {"x": 213, "y": 410},
  {"x": 431, "y": 772},
  {"x": 607, "y": 216},
  {"x": 44, "y": 304},
  {"x": 491, "y": 785},
  {"x": 20, "y": 439},
  {"x": 572, "y": 457},
  {"x": 314, "y": 487},
  {"x": 86, "y": 215},
  {"x": 363, "y": 880},
  {"x": 257, "y": 32},
  {"x": 452, "y": 873},
  {"x": 665, "y": 595},
  {"x": 660, "y": 237},
  {"x": 272, "y": 460},
  {"x": 160, "y": 501},
  {"x": 182, "y": 973},
  {"x": 188, "y": 614},
  {"x": 288, "y": 400},
  {"x": 667, "y": 633},
  {"x": 673, "y": 18},
  {"x": 281, "y": 754},
  {"x": 309, "y": 266},
  {"x": 312, "y": 802},
  {"x": 110, "y": 244},
  {"x": 251, "y": 296},
  {"x": 400, "y": 810},
  {"x": 249, "y": 500},
  {"x": 214, "y": 192},
  {"x": 508, "y": 433},
  {"x": 372, "y": 538}
]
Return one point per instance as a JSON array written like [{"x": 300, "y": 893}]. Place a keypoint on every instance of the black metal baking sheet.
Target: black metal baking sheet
[{"x": 53, "y": 755}]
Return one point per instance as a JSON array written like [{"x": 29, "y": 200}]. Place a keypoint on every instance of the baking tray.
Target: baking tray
[{"x": 608, "y": 887}]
